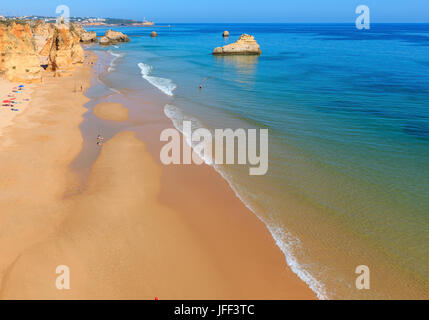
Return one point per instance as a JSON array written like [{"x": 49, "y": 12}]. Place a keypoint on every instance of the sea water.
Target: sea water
[{"x": 348, "y": 117}]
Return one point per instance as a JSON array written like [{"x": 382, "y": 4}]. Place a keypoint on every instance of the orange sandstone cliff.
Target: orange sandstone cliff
[
  {"x": 66, "y": 50},
  {"x": 26, "y": 50},
  {"x": 19, "y": 61}
]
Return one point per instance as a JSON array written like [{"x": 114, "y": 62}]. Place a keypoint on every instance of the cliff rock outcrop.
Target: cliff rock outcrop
[
  {"x": 246, "y": 45},
  {"x": 43, "y": 34},
  {"x": 26, "y": 49},
  {"x": 19, "y": 61},
  {"x": 84, "y": 36},
  {"x": 78, "y": 29},
  {"x": 66, "y": 50}
]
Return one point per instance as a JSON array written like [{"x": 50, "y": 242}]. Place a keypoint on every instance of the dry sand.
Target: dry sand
[
  {"x": 138, "y": 230},
  {"x": 6, "y": 93},
  {"x": 35, "y": 153},
  {"x": 111, "y": 111}
]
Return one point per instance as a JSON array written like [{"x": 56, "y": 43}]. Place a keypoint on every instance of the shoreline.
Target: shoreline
[
  {"x": 136, "y": 231},
  {"x": 277, "y": 234},
  {"x": 158, "y": 121}
]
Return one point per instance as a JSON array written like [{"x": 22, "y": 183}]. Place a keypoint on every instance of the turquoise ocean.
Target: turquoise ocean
[{"x": 348, "y": 118}]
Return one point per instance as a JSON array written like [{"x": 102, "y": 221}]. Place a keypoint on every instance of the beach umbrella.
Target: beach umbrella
[
  {"x": 6, "y": 101},
  {"x": 21, "y": 86}
]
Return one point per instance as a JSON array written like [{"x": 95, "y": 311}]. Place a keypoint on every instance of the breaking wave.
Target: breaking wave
[{"x": 165, "y": 85}]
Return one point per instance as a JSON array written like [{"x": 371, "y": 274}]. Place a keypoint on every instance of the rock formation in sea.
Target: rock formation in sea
[
  {"x": 88, "y": 37},
  {"x": 113, "y": 37},
  {"x": 77, "y": 28},
  {"x": 246, "y": 45},
  {"x": 85, "y": 36},
  {"x": 153, "y": 34},
  {"x": 225, "y": 34},
  {"x": 28, "y": 48}
]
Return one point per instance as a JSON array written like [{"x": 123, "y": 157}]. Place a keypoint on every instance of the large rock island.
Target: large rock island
[
  {"x": 246, "y": 45},
  {"x": 89, "y": 37},
  {"x": 113, "y": 37}
]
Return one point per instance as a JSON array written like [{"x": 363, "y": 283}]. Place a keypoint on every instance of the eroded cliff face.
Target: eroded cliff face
[
  {"x": 43, "y": 35},
  {"x": 25, "y": 51},
  {"x": 66, "y": 50},
  {"x": 19, "y": 61}
]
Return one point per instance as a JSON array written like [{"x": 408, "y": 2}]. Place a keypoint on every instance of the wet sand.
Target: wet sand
[
  {"x": 137, "y": 229},
  {"x": 111, "y": 111}
]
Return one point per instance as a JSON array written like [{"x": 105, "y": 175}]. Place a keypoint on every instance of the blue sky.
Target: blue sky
[{"x": 229, "y": 10}]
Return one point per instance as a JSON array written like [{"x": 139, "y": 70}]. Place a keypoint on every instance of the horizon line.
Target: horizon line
[{"x": 227, "y": 22}]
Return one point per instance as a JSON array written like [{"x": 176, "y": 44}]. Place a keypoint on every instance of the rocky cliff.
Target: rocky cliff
[
  {"x": 66, "y": 50},
  {"x": 43, "y": 34},
  {"x": 19, "y": 61},
  {"x": 25, "y": 50},
  {"x": 246, "y": 45}
]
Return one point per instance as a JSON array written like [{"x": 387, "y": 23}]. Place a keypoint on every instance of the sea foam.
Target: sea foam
[
  {"x": 287, "y": 242},
  {"x": 178, "y": 117},
  {"x": 116, "y": 56},
  {"x": 165, "y": 85}
]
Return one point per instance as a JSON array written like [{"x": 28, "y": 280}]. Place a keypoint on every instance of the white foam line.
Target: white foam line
[
  {"x": 165, "y": 85},
  {"x": 284, "y": 240},
  {"x": 113, "y": 62}
]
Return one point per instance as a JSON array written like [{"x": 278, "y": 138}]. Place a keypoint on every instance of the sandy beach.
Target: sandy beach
[
  {"x": 135, "y": 230},
  {"x": 111, "y": 111},
  {"x": 9, "y": 92}
]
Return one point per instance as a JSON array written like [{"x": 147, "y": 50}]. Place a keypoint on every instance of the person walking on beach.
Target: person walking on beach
[{"x": 100, "y": 140}]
